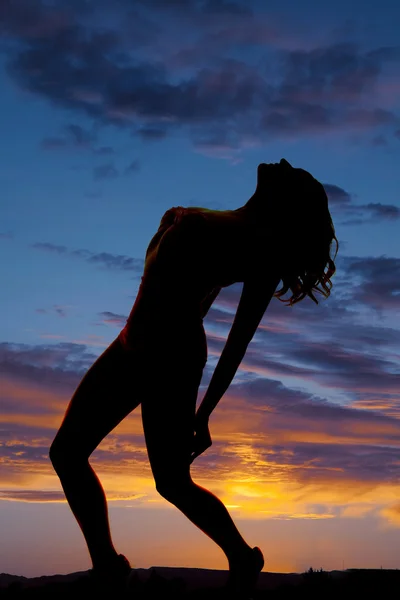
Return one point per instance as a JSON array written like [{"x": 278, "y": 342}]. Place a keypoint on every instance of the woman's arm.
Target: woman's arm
[{"x": 255, "y": 298}]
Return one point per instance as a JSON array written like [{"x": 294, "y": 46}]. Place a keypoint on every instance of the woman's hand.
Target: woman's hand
[{"x": 202, "y": 438}]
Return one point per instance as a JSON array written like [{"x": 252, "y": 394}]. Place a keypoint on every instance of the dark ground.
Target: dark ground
[{"x": 199, "y": 584}]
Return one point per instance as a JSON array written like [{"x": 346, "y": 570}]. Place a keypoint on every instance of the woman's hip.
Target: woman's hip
[{"x": 186, "y": 348}]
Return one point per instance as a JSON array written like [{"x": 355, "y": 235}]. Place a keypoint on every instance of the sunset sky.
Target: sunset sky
[{"x": 112, "y": 112}]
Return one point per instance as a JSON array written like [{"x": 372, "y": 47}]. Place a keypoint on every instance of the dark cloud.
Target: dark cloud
[
  {"x": 289, "y": 443},
  {"x": 93, "y": 195},
  {"x": 352, "y": 371},
  {"x": 133, "y": 167},
  {"x": 6, "y": 236},
  {"x": 106, "y": 171},
  {"x": 53, "y": 143},
  {"x": 33, "y": 19},
  {"x": 383, "y": 211},
  {"x": 316, "y": 462},
  {"x": 221, "y": 7},
  {"x": 152, "y": 133},
  {"x": 331, "y": 72},
  {"x": 76, "y": 137},
  {"x": 104, "y": 259},
  {"x": 379, "y": 140},
  {"x": 273, "y": 395},
  {"x": 112, "y": 261},
  {"x": 198, "y": 7},
  {"x": 57, "y": 365},
  {"x": 338, "y": 197},
  {"x": 28, "y": 449},
  {"x": 104, "y": 150},
  {"x": 325, "y": 345},
  {"x": 380, "y": 281},
  {"x": 331, "y": 344},
  {"x": 319, "y": 87},
  {"x": 342, "y": 204},
  {"x": 80, "y": 136},
  {"x": 139, "y": 84},
  {"x": 370, "y": 118},
  {"x": 389, "y": 53}
]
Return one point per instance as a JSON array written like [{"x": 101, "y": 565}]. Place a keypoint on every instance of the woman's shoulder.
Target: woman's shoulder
[{"x": 183, "y": 216}]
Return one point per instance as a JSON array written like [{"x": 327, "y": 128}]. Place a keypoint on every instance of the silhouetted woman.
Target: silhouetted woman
[{"x": 283, "y": 233}]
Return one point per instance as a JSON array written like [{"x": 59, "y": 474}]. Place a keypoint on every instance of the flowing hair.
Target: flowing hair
[
  {"x": 306, "y": 277},
  {"x": 307, "y": 263},
  {"x": 301, "y": 231}
]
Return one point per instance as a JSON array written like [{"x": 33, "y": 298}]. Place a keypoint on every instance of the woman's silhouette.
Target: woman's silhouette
[{"x": 283, "y": 233}]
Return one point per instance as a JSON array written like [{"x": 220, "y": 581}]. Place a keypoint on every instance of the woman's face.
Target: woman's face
[
  {"x": 270, "y": 175},
  {"x": 280, "y": 175}
]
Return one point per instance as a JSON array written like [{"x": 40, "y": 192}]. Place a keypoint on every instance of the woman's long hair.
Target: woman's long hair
[{"x": 301, "y": 229}]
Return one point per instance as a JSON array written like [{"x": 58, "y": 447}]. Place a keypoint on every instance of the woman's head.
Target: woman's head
[{"x": 294, "y": 208}]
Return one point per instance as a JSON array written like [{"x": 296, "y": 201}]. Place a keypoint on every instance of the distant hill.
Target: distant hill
[
  {"x": 207, "y": 584},
  {"x": 194, "y": 578}
]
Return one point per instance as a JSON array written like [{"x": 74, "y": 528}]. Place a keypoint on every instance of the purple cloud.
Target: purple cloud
[
  {"x": 126, "y": 80},
  {"x": 380, "y": 281},
  {"x": 63, "y": 361}
]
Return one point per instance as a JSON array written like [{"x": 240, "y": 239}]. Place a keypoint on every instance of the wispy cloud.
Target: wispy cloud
[
  {"x": 110, "y": 171},
  {"x": 103, "y": 259},
  {"x": 60, "y": 311},
  {"x": 112, "y": 318},
  {"x": 106, "y": 171},
  {"x": 53, "y": 496},
  {"x": 344, "y": 206},
  {"x": 74, "y": 136},
  {"x": 133, "y": 167}
]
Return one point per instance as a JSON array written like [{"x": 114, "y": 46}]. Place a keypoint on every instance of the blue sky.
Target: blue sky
[{"x": 111, "y": 115}]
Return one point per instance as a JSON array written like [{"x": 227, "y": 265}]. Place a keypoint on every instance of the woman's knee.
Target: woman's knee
[
  {"x": 174, "y": 487},
  {"x": 66, "y": 456}
]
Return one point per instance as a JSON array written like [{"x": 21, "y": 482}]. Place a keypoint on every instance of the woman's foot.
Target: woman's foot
[
  {"x": 243, "y": 575},
  {"x": 114, "y": 573}
]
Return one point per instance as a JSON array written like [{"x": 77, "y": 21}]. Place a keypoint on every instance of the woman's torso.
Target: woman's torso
[{"x": 194, "y": 251}]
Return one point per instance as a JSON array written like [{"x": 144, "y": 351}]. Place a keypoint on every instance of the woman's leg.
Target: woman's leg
[
  {"x": 168, "y": 412},
  {"x": 103, "y": 398}
]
